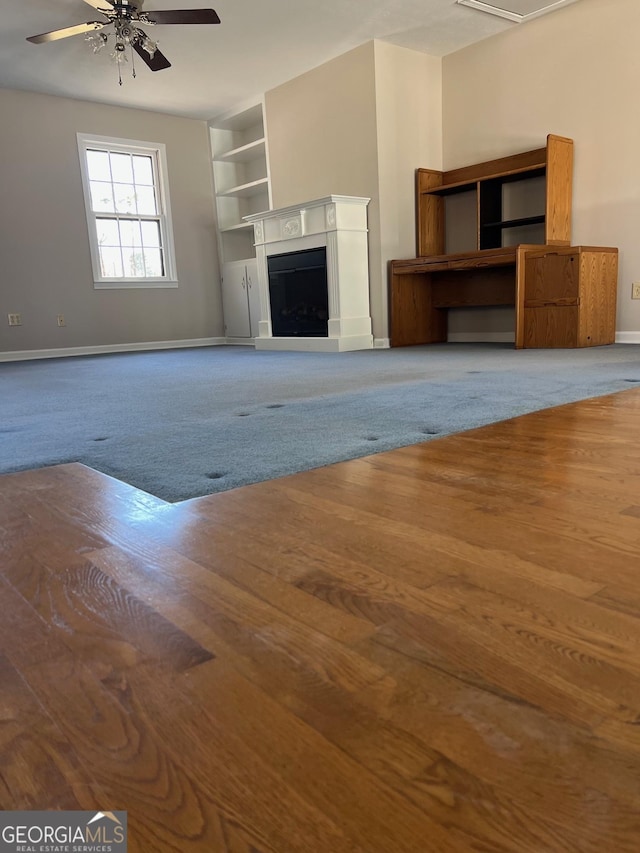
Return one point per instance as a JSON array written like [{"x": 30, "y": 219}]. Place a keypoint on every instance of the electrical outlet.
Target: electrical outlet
[
  {"x": 14, "y": 319},
  {"x": 61, "y": 321},
  {"x": 635, "y": 290}
]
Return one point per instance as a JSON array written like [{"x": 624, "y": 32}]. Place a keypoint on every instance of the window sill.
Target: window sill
[{"x": 134, "y": 284}]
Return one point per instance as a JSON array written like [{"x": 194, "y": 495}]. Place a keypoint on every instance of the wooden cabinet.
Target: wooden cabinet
[
  {"x": 570, "y": 296},
  {"x": 524, "y": 198},
  {"x": 240, "y": 299}
]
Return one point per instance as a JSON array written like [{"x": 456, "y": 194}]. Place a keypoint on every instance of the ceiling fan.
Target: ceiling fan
[{"x": 126, "y": 16}]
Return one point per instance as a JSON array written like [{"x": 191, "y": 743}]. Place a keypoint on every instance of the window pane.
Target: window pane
[
  {"x": 98, "y": 166},
  {"x": 133, "y": 263},
  {"x": 107, "y": 231},
  {"x": 121, "y": 171},
  {"x": 142, "y": 170},
  {"x": 146, "y": 201},
  {"x": 125, "y": 196},
  {"x": 110, "y": 263},
  {"x": 150, "y": 233},
  {"x": 101, "y": 197},
  {"x": 153, "y": 263},
  {"x": 130, "y": 233}
]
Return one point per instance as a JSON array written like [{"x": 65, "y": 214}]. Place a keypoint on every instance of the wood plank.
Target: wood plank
[
  {"x": 176, "y": 799},
  {"x": 92, "y": 614},
  {"x": 559, "y": 190},
  {"x": 429, "y": 214},
  {"x": 320, "y": 773},
  {"x": 487, "y": 732},
  {"x": 245, "y": 622},
  {"x": 40, "y": 769},
  {"x": 502, "y": 166},
  {"x": 413, "y": 317}
]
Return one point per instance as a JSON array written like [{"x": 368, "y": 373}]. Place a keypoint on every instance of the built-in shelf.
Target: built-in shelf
[
  {"x": 241, "y": 178},
  {"x": 245, "y": 190},
  {"x": 244, "y": 153}
]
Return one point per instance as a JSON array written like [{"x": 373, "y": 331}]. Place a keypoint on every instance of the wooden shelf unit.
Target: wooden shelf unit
[
  {"x": 563, "y": 295},
  {"x": 487, "y": 182}
]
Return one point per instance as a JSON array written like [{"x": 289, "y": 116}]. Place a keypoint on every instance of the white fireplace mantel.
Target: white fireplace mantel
[{"x": 338, "y": 222}]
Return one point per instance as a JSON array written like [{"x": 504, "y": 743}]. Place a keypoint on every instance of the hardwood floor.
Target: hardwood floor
[{"x": 431, "y": 649}]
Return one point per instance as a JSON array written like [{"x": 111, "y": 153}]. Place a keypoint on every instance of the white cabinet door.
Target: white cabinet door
[
  {"x": 254, "y": 297},
  {"x": 235, "y": 300}
]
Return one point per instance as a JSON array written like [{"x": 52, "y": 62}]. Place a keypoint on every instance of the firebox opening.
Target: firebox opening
[{"x": 298, "y": 294}]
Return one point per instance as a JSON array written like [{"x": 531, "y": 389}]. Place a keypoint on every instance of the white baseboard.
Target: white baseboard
[
  {"x": 628, "y": 337},
  {"x": 381, "y": 343},
  {"x": 239, "y": 342},
  {"x": 481, "y": 337},
  {"x": 64, "y": 352}
]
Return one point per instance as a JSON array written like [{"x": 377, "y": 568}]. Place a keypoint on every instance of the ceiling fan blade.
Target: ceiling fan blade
[
  {"x": 54, "y": 35},
  {"x": 182, "y": 16},
  {"x": 100, "y": 4},
  {"x": 156, "y": 62}
]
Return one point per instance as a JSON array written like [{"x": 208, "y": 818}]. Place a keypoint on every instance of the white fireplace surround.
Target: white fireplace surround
[{"x": 338, "y": 222}]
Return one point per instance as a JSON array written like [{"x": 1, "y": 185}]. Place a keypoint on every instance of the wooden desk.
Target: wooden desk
[{"x": 564, "y": 296}]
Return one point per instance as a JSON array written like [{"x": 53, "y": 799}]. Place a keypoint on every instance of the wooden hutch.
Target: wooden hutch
[{"x": 514, "y": 248}]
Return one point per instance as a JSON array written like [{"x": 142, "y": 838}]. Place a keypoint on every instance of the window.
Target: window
[{"x": 127, "y": 202}]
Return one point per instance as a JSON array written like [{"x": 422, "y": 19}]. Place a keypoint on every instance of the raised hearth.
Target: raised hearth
[{"x": 338, "y": 223}]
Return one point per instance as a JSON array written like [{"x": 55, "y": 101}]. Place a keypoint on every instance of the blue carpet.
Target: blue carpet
[{"x": 185, "y": 423}]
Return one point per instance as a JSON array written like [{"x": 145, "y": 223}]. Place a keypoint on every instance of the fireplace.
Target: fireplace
[
  {"x": 298, "y": 294},
  {"x": 313, "y": 275}
]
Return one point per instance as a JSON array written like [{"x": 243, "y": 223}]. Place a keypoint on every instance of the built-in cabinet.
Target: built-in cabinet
[
  {"x": 242, "y": 188},
  {"x": 240, "y": 299}
]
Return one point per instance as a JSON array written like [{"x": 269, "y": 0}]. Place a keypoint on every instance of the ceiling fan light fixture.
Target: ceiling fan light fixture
[
  {"x": 118, "y": 54},
  {"x": 96, "y": 41},
  {"x": 150, "y": 46},
  {"x": 145, "y": 42}
]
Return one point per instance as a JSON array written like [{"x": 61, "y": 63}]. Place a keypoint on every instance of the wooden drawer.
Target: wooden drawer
[
  {"x": 551, "y": 326},
  {"x": 552, "y": 278}
]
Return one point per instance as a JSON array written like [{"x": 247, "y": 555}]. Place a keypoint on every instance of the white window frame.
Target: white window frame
[{"x": 157, "y": 151}]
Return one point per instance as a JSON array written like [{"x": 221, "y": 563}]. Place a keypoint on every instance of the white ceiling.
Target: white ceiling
[{"x": 259, "y": 45}]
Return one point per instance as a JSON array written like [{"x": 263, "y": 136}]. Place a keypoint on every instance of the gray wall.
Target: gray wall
[{"x": 45, "y": 265}]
